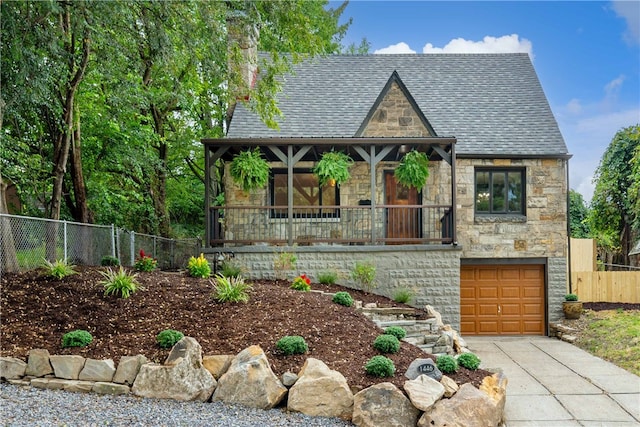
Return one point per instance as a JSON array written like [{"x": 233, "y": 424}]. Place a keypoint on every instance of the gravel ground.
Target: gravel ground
[{"x": 29, "y": 406}]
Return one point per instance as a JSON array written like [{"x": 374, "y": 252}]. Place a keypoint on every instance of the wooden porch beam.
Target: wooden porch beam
[
  {"x": 279, "y": 154},
  {"x": 445, "y": 156}
]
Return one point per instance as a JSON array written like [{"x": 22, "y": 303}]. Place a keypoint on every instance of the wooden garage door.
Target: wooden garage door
[{"x": 502, "y": 300}]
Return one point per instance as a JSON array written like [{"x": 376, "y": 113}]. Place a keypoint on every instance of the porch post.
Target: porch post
[
  {"x": 372, "y": 167},
  {"x": 454, "y": 227},
  {"x": 290, "y": 195},
  {"x": 207, "y": 197}
]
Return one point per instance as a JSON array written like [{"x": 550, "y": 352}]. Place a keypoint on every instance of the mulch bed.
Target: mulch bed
[{"x": 37, "y": 311}]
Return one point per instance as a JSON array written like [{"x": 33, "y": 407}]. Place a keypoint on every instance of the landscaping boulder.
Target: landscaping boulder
[
  {"x": 321, "y": 391},
  {"x": 217, "y": 364},
  {"x": 182, "y": 377},
  {"x": 38, "y": 364},
  {"x": 67, "y": 367},
  {"x": 12, "y": 368},
  {"x": 128, "y": 369},
  {"x": 423, "y": 367},
  {"x": 98, "y": 370},
  {"x": 249, "y": 381},
  {"x": 424, "y": 392},
  {"x": 383, "y": 405},
  {"x": 450, "y": 386}
]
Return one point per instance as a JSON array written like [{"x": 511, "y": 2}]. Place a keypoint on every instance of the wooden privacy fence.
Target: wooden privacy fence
[{"x": 607, "y": 286}]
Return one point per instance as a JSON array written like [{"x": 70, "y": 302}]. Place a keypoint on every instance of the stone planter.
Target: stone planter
[{"x": 572, "y": 309}]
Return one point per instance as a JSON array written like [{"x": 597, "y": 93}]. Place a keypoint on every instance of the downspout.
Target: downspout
[{"x": 568, "y": 227}]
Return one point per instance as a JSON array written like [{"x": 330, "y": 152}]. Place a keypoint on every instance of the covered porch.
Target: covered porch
[{"x": 369, "y": 209}]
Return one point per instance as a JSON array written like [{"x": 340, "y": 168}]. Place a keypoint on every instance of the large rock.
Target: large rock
[
  {"x": 38, "y": 364},
  {"x": 470, "y": 407},
  {"x": 128, "y": 369},
  {"x": 249, "y": 381},
  {"x": 98, "y": 370},
  {"x": 383, "y": 405},
  {"x": 12, "y": 368},
  {"x": 423, "y": 367},
  {"x": 217, "y": 364},
  {"x": 321, "y": 391},
  {"x": 67, "y": 367},
  {"x": 110, "y": 388},
  {"x": 450, "y": 386},
  {"x": 424, "y": 392},
  {"x": 182, "y": 377}
]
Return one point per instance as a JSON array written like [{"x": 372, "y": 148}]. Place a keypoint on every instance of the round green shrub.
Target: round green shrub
[
  {"x": 109, "y": 261},
  {"x": 343, "y": 298},
  {"x": 380, "y": 366},
  {"x": 77, "y": 338},
  {"x": 469, "y": 361},
  {"x": 292, "y": 344},
  {"x": 396, "y": 331},
  {"x": 387, "y": 344},
  {"x": 447, "y": 364},
  {"x": 168, "y": 338}
]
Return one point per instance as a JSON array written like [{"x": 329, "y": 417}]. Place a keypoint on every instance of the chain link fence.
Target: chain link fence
[{"x": 25, "y": 243}]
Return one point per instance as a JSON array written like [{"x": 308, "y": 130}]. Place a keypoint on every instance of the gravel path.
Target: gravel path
[{"x": 29, "y": 406}]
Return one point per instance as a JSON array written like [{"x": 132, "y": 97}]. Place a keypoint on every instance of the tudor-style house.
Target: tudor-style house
[{"x": 484, "y": 241}]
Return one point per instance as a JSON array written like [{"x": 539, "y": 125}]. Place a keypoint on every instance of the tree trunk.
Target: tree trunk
[
  {"x": 82, "y": 213},
  {"x": 8, "y": 258}
]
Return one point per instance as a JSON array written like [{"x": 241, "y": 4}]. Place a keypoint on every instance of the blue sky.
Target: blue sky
[{"x": 586, "y": 54}]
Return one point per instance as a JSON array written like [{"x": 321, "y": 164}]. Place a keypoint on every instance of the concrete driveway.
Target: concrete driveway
[{"x": 554, "y": 383}]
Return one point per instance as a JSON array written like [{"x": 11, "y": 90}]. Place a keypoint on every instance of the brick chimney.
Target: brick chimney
[{"x": 242, "y": 59}]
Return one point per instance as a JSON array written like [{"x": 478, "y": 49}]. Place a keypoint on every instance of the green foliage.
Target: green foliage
[
  {"x": 231, "y": 289},
  {"x": 571, "y": 297},
  {"x": 292, "y": 345},
  {"x": 229, "y": 268},
  {"x": 396, "y": 331},
  {"x": 402, "y": 296},
  {"x": 364, "y": 273},
  {"x": 145, "y": 262},
  {"x": 469, "y": 361},
  {"x": 58, "y": 269},
  {"x": 301, "y": 283},
  {"x": 447, "y": 364},
  {"x": 380, "y": 366},
  {"x": 77, "y": 338},
  {"x": 578, "y": 214},
  {"x": 250, "y": 170},
  {"x": 283, "y": 262},
  {"x": 199, "y": 267},
  {"x": 328, "y": 277},
  {"x": 168, "y": 338},
  {"x": 343, "y": 298},
  {"x": 413, "y": 170},
  {"x": 119, "y": 282},
  {"x": 109, "y": 261},
  {"x": 387, "y": 343},
  {"x": 333, "y": 165}
]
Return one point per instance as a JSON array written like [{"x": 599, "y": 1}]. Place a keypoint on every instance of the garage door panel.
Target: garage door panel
[{"x": 502, "y": 299}]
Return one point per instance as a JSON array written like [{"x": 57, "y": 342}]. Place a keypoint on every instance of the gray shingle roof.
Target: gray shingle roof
[{"x": 493, "y": 103}]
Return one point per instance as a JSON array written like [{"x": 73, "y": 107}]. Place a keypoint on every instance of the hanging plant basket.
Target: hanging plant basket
[
  {"x": 333, "y": 168},
  {"x": 413, "y": 170},
  {"x": 250, "y": 170}
]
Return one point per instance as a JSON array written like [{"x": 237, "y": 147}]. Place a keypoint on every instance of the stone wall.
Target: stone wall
[{"x": 431, "y": 273}]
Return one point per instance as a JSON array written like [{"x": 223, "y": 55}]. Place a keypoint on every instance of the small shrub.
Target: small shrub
[
  {"x": 571, "y": 297},
  {"x": 199, "y": 267},
  {"x": 77, "y": 338},
  {"x": 168, "y": 338},
  {"x": 58, "y": 269},
  {"x": 469, "y": 361},
  {"x": 343, "y": 298},
  {"x": 231, "y": 289},
  {"x": 292, "y": 344},
  {"x": 403, "y": 296},
  {"x": 328, "y": 277},
  {"x": 364, "y": 273},
  {"x": 284, "y": 261},
  {"x": 396, "y": 331},
  {"x": 447, "y": 364},
  {"x": 386, "y": 344},
  {"x": 109, "y": 261},
  {"x": 145, "y": 262},
  {"x": 230, "y": 269},
  {"x": 301, "y": 283},
  {"x": 119, "y": 282},
  {"x": 380, "y": 366}
]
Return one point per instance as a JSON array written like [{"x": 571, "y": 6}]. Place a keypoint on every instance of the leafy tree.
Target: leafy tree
[
  {"x": 362, "y": 49},
  {"x": 614, "y": 204},
  {"x": 578, "y": 213}
]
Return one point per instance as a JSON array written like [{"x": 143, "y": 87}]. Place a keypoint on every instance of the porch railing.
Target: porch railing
[{"x": 344, "y": 225}]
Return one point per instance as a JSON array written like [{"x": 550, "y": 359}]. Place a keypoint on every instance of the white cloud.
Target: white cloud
[
  {"x": 630, "y": 12},
  {"x": 574, "y": 106},
  {"x": 401, "y": 47},
  {"x": 489, "y": 44},
  {"x": 612, "y": 89}
]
